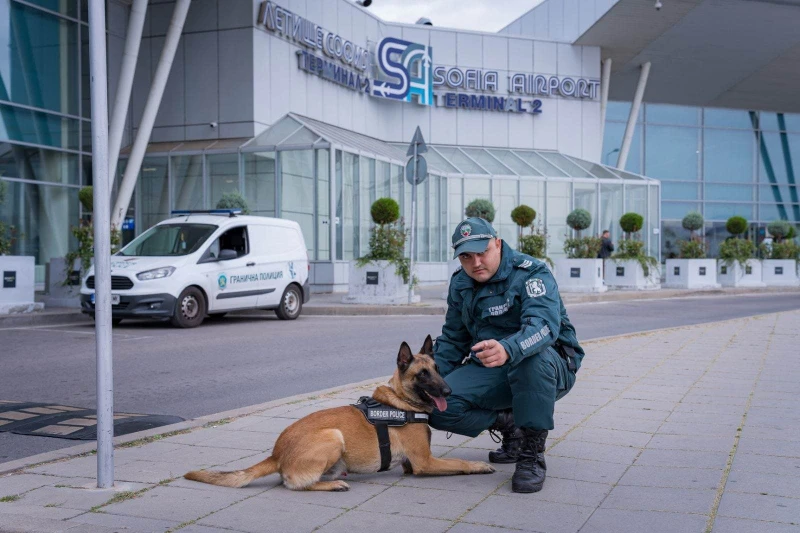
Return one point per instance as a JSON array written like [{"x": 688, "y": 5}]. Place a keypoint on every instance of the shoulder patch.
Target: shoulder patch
[
  {"x": 535, "y": 288},
  {"x": 459, "y": 269}
]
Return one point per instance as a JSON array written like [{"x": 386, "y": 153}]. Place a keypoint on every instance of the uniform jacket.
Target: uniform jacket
[{"x": 519, "y": 306}]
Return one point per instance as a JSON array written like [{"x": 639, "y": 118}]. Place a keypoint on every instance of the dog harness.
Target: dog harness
[{"x": 382, "y": 416}]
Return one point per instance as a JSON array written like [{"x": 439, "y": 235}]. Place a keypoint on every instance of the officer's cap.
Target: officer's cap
[{"x": 472, "y": 236}]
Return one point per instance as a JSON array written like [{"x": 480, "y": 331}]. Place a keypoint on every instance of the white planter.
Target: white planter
[
  {"x": 734, "y": 275},
  {"x": 691, "y": 274},
  {"x": 779, "y": 273},
  {"x": 17, "y": 284},
  {"x": 627, "y": 274},
  {"x": 58, "y": 294},
  {"x": 579, "y": 275},
  {"x": 376, "y": 283}
]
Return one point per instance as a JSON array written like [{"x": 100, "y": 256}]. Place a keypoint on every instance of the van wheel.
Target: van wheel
[
  {"x": 190, "y": 309},
  {"x": 291, "y": 304}
]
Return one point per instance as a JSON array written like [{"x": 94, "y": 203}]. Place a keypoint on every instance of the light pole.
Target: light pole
[{"x": 615, "y": 150}]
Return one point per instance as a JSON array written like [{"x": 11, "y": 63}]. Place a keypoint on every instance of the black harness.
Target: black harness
[{"x": 382, "y": 416}]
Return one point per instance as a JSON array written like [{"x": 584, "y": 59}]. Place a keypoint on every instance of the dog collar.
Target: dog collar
[{"x": 382, "y": 416}]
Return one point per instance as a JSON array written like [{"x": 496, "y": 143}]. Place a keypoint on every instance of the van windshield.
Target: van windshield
[{"x": 169, "y": 240}]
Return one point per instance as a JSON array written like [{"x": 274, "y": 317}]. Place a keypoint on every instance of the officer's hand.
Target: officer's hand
[{"x": 491, "y": 353}]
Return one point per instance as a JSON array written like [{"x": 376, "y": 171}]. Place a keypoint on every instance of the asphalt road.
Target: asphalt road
[{"x": 240, "y": 361}]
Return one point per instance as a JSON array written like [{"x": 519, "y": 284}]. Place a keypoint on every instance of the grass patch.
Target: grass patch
[
  {"x": 154, "y": 438},
  {"x": 218, "y": 423},
  {"x": 9, "y": 499},
  {"x": 120, "y": 497}
]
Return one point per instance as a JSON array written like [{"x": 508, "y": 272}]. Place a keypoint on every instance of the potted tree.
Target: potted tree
[
  {"x": 582, "y": 270},
  {"x": 18, "y": 271},
  {"x": 737, "y": 266},
  {"x": 382, "y": 276},
  {"x": 693, "y": 270},
  {"x": 233, "y": 200},
  {"x": 64, "y": 275},
  {"x": 630, "y": 267},
  {"x": 779, "y": 264},
  {"x": 535, "y": 243}
]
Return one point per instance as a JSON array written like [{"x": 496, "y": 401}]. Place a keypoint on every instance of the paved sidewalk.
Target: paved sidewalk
[{"x": 692, "y": 429}]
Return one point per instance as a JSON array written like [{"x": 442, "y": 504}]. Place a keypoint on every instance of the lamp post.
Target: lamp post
[{"x": 615, "y": 150}]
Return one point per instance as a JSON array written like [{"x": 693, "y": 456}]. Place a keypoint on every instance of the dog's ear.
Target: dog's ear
[
  {"x": 427, "y": 346},
  {"x": 404, "y": 357}
]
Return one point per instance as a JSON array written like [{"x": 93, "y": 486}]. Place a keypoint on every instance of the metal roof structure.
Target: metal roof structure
[{"x": 297, "y": 132}]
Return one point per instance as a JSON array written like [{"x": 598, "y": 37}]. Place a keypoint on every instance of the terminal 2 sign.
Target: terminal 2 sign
[{"x": 402, "y": 70}]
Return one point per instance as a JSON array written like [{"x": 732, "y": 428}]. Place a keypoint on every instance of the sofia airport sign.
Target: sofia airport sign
[{"x": 401, "y": 70}]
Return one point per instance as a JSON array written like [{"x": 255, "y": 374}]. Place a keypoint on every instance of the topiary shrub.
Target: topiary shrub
[
  {"x": 779, "y": 230},
  {"x": 86, "y": 197},
  {"x": 387, "y": 240},
  {"x": 694, "y": 248},
  {"x": 631, "y": 223},
  {"x": 579, "y": 220},
  {"x": 693, "y": 221},
  {"x": 233, "y": 200},
  {"x": 631, "y": 248},
  {"x": 8, "y": 234},
  {"x": 481, "y": 208},
  {"x": 736, "y": 225},
  {"x": 385, "y": 211},
  {"x": 523, "y": 216}
]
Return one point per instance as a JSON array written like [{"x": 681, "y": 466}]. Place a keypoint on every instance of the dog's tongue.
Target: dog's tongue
[{"x": 441, "y": 403}]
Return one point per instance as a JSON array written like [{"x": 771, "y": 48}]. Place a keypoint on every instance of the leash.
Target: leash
[{"x": 383, "y": 416}]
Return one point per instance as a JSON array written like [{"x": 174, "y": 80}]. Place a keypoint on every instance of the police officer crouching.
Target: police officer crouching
[{"x": 508, "y": 350}]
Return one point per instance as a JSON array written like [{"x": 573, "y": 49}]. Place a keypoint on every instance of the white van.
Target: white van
[{"x": 206, "y": 263}]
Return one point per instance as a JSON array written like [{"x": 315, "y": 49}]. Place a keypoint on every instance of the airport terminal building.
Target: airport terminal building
[{"x": 306, "y": 108}]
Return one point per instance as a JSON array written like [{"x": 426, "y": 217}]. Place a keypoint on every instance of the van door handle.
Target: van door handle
[{"x": 251, "y": 264}]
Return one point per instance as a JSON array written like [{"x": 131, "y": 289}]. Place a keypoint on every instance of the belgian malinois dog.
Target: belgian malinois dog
[{"x": 312, "y": 453}]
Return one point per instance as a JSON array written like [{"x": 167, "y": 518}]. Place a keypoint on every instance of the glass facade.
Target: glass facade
[
  {"x": 720, "y": 162},
  {"x": 43, "y": 99}
]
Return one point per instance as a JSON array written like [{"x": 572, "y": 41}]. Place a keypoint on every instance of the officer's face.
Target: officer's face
[{"x": 481, "y": 267}]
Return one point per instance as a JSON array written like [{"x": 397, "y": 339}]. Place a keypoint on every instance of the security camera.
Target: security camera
[
  {"x": 658, "y": 5},
  {"x": 213, "y": 124},
  {"x": 425, "y": 21},
  {"x": 364, "y": 3}
]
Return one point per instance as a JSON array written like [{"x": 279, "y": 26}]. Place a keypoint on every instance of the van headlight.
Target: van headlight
[{"x": 157, "y": 273}]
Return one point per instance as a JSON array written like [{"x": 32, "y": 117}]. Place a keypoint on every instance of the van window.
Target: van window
[
  {"x": 169, "y": 240},
  {"x": 234, "y": 239}
]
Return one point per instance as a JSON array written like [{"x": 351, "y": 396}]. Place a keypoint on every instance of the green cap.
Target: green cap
[{"x": 472, "y": 236}]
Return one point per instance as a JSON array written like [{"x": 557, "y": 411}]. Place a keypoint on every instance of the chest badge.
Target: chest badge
[{"x": 535, "y": 288}]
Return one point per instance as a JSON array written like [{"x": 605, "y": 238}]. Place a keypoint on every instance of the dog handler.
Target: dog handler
[{"x": 508, "y": 350}]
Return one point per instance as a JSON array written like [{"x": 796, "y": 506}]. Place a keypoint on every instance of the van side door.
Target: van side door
[{"x": 233, "y": 279}]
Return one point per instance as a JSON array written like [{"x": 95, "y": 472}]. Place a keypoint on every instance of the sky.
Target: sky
[{"x": 479, "y": 15}]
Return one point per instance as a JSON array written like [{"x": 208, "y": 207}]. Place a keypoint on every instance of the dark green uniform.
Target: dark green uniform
[{"x": 520, "y": 307}]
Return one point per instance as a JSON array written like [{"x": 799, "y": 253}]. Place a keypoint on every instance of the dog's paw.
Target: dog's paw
[
  {"x": 479, "y": 467},
  {"x": 340, "y": 486}
]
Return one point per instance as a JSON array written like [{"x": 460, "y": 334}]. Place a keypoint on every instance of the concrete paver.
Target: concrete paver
[{"x": 683, "y": 429}]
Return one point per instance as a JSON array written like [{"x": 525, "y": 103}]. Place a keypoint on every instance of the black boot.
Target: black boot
[
  {"x": 508, "y": 452},
  {"x": 531, "y": 468}
]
